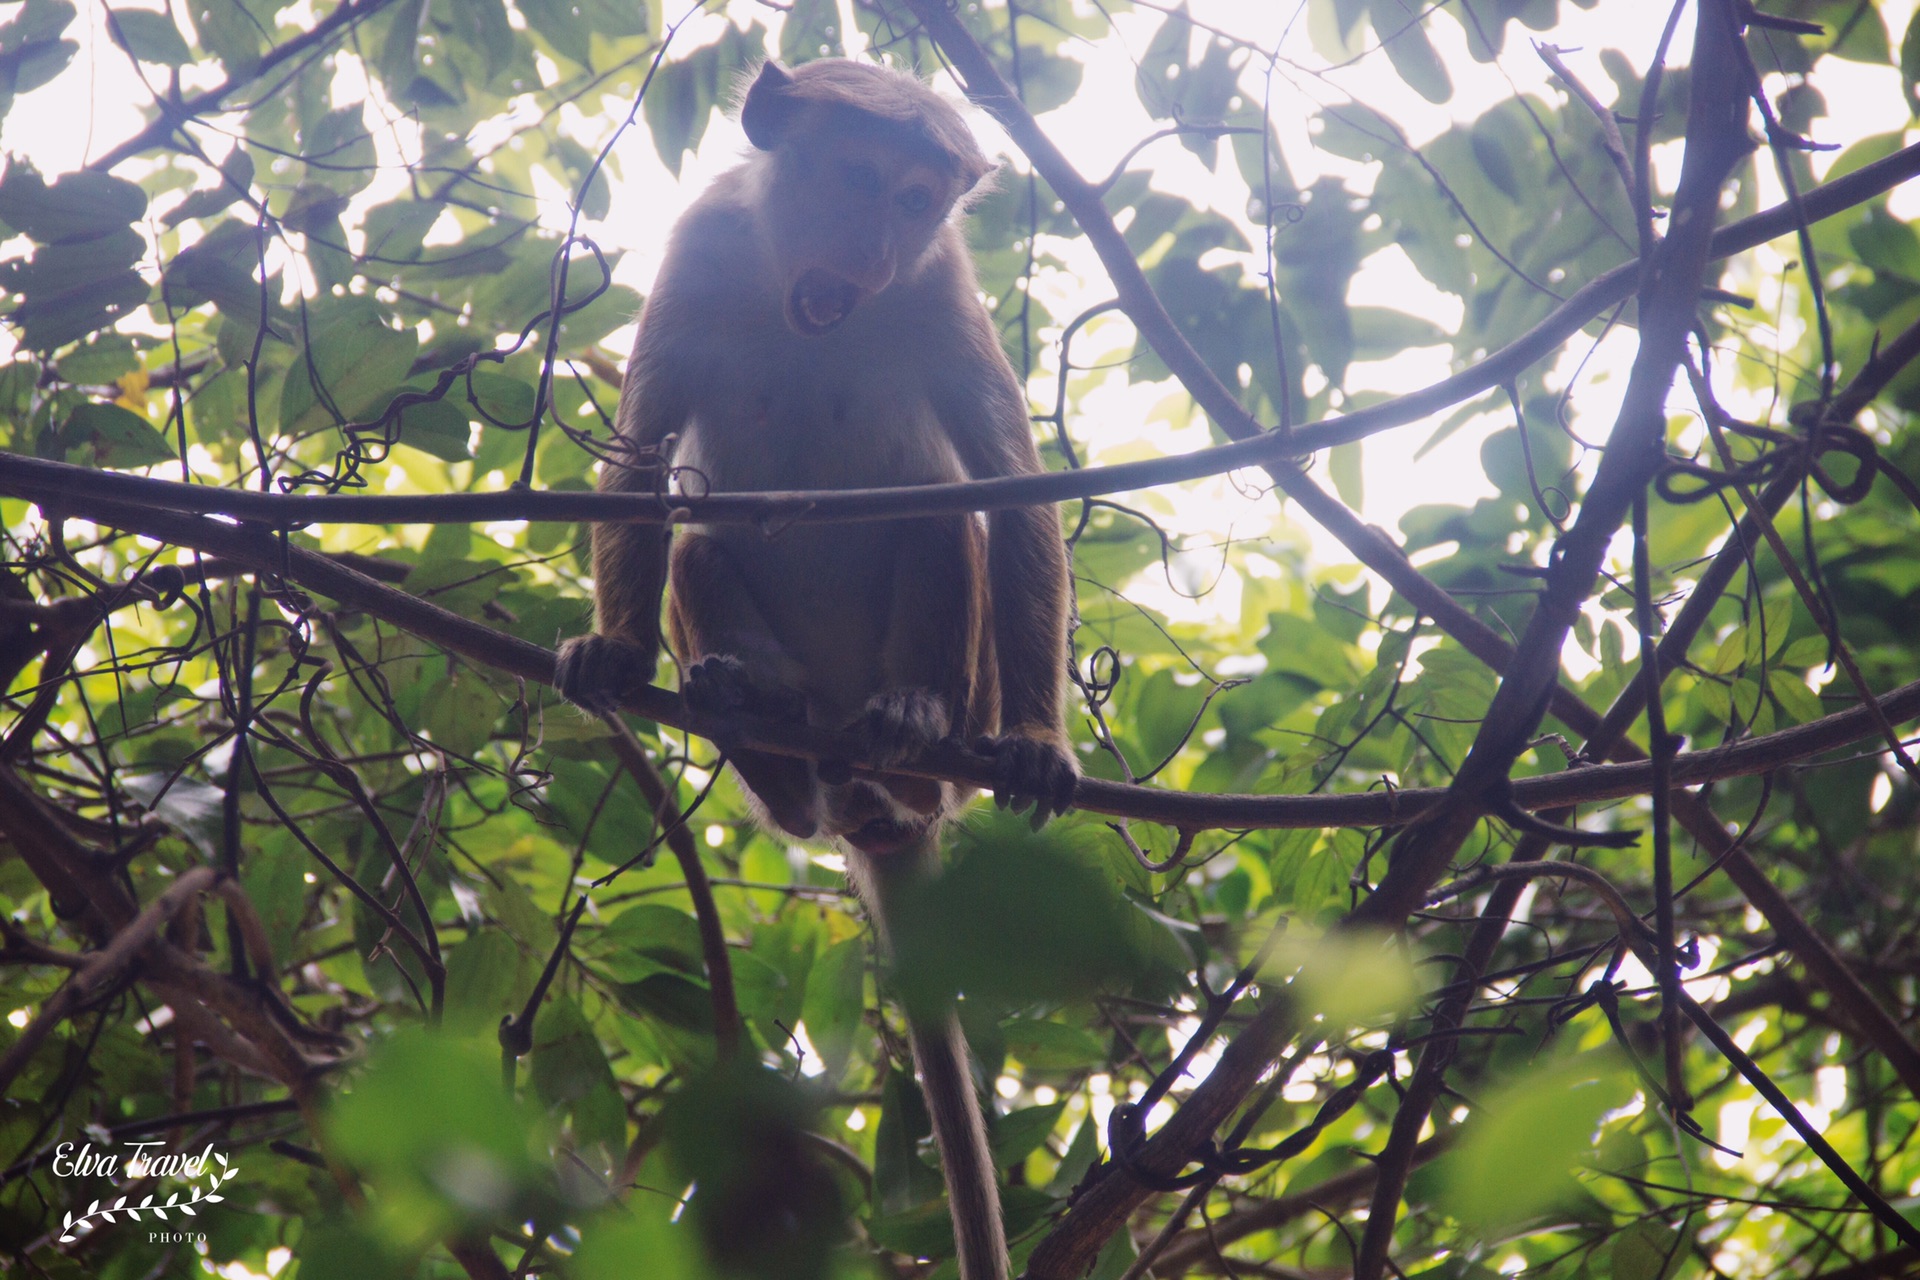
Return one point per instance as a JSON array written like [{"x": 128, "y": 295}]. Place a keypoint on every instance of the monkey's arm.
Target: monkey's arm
[
  {"x": 629, "y": 560},
  {"x": 980, "y": 403}
]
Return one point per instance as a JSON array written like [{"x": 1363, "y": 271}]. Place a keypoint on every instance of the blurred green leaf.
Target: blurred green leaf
[
  {"x": 762, "y": 1202},
  {"x": 150, "y": 37},
  {"x": 74, "y": 208},
  {"x": 1019, "y": 916},
  {"x": 1516, "y": 1159}
]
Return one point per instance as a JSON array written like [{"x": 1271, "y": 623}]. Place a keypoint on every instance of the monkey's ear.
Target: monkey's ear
[{"x": 768, "y": 108}]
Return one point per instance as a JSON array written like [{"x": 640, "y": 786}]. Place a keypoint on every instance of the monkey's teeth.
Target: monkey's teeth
[{"x": 821, "y": 300}]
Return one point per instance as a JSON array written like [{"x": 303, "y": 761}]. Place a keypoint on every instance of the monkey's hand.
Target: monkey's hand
[
  {"x": 722, "y": 685},
  {"x": 595, "y": 672},
  {"x": 1031, "y": 768}
]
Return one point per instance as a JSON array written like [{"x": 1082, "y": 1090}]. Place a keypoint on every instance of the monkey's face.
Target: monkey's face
[
  {"x": 856, "y": 214},
  {"x": 883, "y": 817}
]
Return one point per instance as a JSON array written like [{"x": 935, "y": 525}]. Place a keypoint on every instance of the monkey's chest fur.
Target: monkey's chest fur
[{"x": 832, "y": 413}]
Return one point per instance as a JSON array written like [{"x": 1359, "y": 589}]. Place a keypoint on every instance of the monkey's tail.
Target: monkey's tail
[{"x": 940, "y": 1054}]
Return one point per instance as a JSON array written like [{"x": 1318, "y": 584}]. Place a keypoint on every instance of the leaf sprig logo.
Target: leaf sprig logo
[{"x": 203, "y": 1186}]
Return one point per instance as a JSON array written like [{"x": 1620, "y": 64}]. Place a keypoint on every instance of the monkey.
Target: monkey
[{"x": 816, "y": 324}]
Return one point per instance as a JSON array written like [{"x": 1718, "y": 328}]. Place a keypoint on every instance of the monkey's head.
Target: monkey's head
[{"x": 867, "y": 163}]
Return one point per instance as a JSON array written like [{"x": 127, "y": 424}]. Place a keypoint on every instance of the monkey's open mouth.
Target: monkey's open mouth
[
  {"x": 820, "y": 300},
  {"x": 885, "y": 836}
]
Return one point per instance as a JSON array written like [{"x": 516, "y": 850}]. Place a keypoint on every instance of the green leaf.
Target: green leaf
[
  {"x": 1729, "y": 656},
  {"x": 1857, "y": 32},
  {"x": 678, "y": 1003},
  {"x": 1775, "y": 617},
  {"x": 1516, "y": 1156},
  {"x": 811, "y": 30},
  {"x": 1295, "y": 646},
  {"x": 31, "y": 50},
  {"x": 1018, "y": 916},
  {"x": 678, "y": 103},
  {"x": 1910, "y": 63},
  {"x": 1379, "y": 332},
  {"x": 900, "y": 1178},
  {"x": 235, "y": 31},
  {"x": 505, "y": 401},
  {"x": 220, "y": 268},
  {"x": 1807, "y": 651},
  {"x": 355, "y": 357},
  {"x": 437, "y": 427},
  {"x": 1413, "y": 56},
  {"x": 77, "y": 207},
  {"x": 760, "y": 989},
  {"x": 1018, "y": 1134},
  {"x": 1116, "y": 1258},
  {"x": 1800, "y": 703},
  {"x": 762, "y": 1199},
  {"x": 596, "y": 198},
  {"x": 459, "y": 718},
  {"x": 190, "y": 807},
  {"x": 1165, "y": 59},
  {"x": 609, "y": 1246},
  {"x": 923, "y": 1231},
  {"x": 35, "y": 22},
  {"x": 275, "y": 880},
  {"x": 1647, "y": 1251},
  {"x": 1050, "y": 1046},
  {"x": 236, "y": 177},
  {"x": 347, "y": 1251},
  {"x": 580, "y": 329},
  {"x": 115, "y": 437},
  {"x": 1082, "y": 1151},
  {"x": 660, "y": 933},
  {"x": 597, "y": 805},
  {"x": 105, "y": 359},
  {"x": 394, "y": 232},
  {"x": 1356, "y": 131},
  {"x": 70, "y": 290},
  {"x": 568, "y": 1061},
  {"x": 483, "y": 982},
  {"x": 1715, "y": 698},
  {"x": 427, "y": 1103},
  {"x": 1349, "y": 477},
  {"x": 149, "y": 36},
  {"x": 835, "y": 1003},
  {"x": 558, "y": 22},
  {"x": 339, "y": 151}
]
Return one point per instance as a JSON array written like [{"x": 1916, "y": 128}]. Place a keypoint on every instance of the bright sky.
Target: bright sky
[{"x": 95, "y": 104}]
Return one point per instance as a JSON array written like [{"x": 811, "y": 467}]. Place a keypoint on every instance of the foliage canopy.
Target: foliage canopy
[{"x": 1522, "y": 889}]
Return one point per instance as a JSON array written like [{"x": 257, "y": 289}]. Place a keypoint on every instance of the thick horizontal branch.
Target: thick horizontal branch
[
  {"x": 264, "y": 552},
  {"x": 39, "y": 480}
]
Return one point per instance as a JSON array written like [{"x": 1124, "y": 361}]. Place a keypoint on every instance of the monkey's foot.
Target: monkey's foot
[
  {"x": 595, "y": 672},
  {"x": 901, "y": 723},
  {"x": 1030, "y": 771},
  {"x": 722, "y": 685}
]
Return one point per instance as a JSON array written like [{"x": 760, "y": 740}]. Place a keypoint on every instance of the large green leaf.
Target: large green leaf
[{"x": 352, "y": 364}]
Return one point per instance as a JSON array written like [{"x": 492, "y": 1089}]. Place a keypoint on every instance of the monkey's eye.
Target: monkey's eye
[
  {"x": 914, "y": 201},
  {"x": 862, "y": 178}
]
